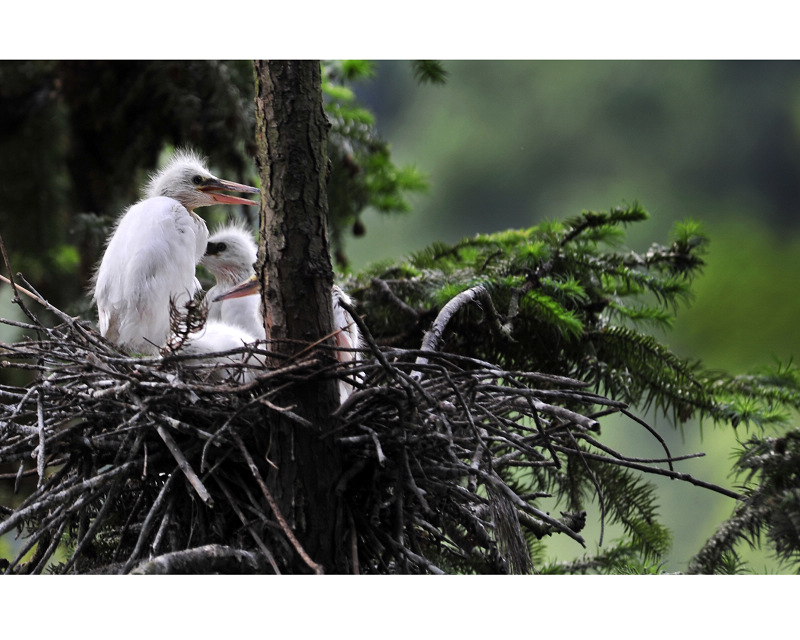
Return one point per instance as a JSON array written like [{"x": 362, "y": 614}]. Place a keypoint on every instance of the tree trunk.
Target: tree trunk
[{"x": 294, "y": 268}]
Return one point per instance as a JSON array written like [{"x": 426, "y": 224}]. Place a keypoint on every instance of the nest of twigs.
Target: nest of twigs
[{"x": 149, "y": 465}]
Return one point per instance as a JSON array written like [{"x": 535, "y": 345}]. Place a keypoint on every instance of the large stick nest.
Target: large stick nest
[{"x": 151, "y": 465}]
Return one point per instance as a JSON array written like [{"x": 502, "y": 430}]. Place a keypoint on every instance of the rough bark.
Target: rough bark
[{"x": 296, "y": 276}]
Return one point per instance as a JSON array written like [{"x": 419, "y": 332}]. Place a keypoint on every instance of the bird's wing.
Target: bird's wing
[
  {"x": 349, "y": 336},
  {"x": 150, "y": 259}
]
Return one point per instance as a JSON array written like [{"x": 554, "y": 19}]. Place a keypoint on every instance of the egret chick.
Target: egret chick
[
  {"x": 230, "y": 255},
  {"x": 151, "y": 256},
  {"x": 217, "y": 336},
  {"x": 348, "y": 335}
]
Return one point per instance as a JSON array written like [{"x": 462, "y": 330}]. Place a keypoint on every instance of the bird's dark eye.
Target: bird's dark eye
[
  {"x": 213, "y": 248},
  {"x": 197, "y": 180},
  {"x": 221, "y": 246}
]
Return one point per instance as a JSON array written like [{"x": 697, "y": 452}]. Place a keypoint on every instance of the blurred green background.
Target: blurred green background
[{"x": 511, "y": 143}]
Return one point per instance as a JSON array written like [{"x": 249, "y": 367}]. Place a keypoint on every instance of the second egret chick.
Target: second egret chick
[
  {"x": 347, "y": 335},
  {"x": 230, "y": 254},
  {"x": 217, "y": 336}
]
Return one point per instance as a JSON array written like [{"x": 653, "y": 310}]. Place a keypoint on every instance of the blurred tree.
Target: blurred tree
[{"x": 529, "y": 140}]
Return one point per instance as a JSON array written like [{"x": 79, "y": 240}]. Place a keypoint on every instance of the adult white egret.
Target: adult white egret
[
  {"x": 230, "y": 255},
  {"x": 347, "y": 336},
  {"x": 153, "y": 251}
]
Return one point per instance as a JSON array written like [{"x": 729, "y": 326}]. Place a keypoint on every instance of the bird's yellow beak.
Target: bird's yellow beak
[
  {"x": 247, "y": 288},
  {"x": 211, "y": 187}
]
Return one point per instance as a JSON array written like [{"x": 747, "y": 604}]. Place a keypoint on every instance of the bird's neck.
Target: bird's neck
[{"x": 232, "y": 277}]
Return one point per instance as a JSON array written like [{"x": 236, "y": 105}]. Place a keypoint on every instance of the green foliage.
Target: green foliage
[
  {"x": 429, "y": 71},
  {"x": 66, "y": 258},
  {"x": 548, "y": 310},
  {"x": 770, "y": 509},
  {"x": 631, "y": 502},
  {"x": 362, "y": 173},
  {"x": 621, "y": 558},
  {"x": 354, "y": 70},
  {"x": 624, "y": 498},
  {"x": 571, "y": 302},
  {"x": 767, "y": 397},
  {"x": 568, "y": 299}
]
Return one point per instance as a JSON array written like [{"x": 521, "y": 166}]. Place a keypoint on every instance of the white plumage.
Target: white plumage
[
  {"x": 348, "y": 336},
  {"x": 230, "y": 255},
  {"x": 151, "y": 256},
  {"x": 217, "y": 336}
]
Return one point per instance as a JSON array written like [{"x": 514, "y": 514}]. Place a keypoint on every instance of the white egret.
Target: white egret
[
  {"x": 151, "y": 256},
  {"x": 217, "y": 336},
  {"x": 230, "y": 255},
  {"x": 348, "y": 335}
]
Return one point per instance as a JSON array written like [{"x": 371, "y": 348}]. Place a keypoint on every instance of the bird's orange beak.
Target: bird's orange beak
[
  {"x": 247, "y": 288},
  {"x": 211, "y": 187}
]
